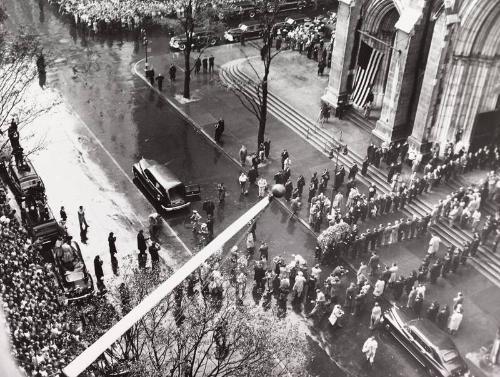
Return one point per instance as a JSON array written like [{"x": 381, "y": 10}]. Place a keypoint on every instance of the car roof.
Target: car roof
[
  {"x": 23, "y": 175},
  {"x": 164, "y": 176},
  {"x": 250, "y": 23},
  {"x": 433, "y": 334}
]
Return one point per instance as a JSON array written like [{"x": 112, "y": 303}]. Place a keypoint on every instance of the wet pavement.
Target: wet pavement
[{"x": 129, "y": 121}]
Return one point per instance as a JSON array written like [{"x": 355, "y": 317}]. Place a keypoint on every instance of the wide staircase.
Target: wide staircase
[{"x": 485, "y": 261}]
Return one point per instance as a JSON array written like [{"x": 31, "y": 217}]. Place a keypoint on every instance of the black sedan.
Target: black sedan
[
  {"x": 201, "y": 39},
  {"x": 427, "y": 343}
]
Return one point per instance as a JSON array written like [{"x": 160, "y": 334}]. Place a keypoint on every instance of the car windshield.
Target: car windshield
[{"x": 449, "y": 355}]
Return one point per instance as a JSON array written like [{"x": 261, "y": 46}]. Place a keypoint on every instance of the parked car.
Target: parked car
[
  {"x": 163, "y": 186},
  {"x": 251, "y": 29},
  {"x": 427, "y": 343},
  {"x": 244, "y": 9},
  {"x": 201, "y": 39},
  {"x": 71, "y": 272},
  {"x": 23, "y": 179},
  {"x": 39, "y": 221},
  {"x": 287, "y": 5}
]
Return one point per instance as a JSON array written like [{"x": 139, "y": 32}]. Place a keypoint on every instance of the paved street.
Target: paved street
[{"x": 112, "y": 118}]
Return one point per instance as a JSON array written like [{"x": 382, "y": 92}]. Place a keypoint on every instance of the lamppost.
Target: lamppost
[
  {"x": 87, "y": 357},
  {"x": 145, "y": 41}
]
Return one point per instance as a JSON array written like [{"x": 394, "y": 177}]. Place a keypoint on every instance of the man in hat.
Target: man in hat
[{"x": 159, "y": 80}]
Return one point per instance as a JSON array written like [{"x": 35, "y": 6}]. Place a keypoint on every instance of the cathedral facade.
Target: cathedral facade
[{"x": 432, "y": 68}]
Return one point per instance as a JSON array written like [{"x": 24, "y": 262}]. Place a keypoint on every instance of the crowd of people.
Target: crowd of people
[
  {"x": 100, "y": 16},
  {"x": 44, "y": 338}
]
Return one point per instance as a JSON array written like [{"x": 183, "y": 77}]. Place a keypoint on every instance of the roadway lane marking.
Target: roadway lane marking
[{"x": 115, "y": 162}]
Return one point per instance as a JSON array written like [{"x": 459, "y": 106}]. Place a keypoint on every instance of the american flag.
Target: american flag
[{"x": 369, "y": 60}]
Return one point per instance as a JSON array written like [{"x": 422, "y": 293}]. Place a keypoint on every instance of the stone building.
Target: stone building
[{"x": 433, "y": 68}]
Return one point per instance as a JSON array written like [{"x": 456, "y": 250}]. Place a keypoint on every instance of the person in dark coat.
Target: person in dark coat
[
  {"x": 288, "y": 189},
  {"x": 390, "y": 174},
  {"x": 364, "y": 167},
  {"x": 142, "y": 259},
  {"x": 353, "y": 171},
  {"x": 418, "y": 305},
  {"x": 172, "y": 71},
  {"x": 434, "y": 271},
  {"x": 397, "y": 288},
  {"x": 197, "y": 65},
  {"x": 301, "y": 182},
  {"x": 112, "y": 244},
  {"x": 209, "y": 207},
  {"x": 284, "y": 156},
  {"x": 155, "y": 256},
  {"x": 442, "y": 317},
  {"x": 210, "y": 226},
  {"x": 99, "y": 274},
  {"x": 455, "y": 261},
  {"x": 267, "y": 148},
  {"x": 211, "y": 63},
  {"x": 204, "y": 64},
  {"x": 432, "y": 311},
  {"x": 339, "y": 177},
  {"x": 219, "y": 130},
  {"x": 446, "y": 266},
  {"x": 141, "y": 242},
  {"x": 159, "y": 80}
]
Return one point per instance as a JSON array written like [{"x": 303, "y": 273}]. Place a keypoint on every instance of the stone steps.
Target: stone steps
[{"x": 485, "y": 261}]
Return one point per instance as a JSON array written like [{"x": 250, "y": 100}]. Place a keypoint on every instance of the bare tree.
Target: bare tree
[
  {"x": 197, "y": 14},
  {"x": 253, "y": 92},
  {"x": 19, "y": 52}
]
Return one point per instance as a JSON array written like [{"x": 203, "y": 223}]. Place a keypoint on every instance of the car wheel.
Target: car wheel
[
  {"x": 252, "y": 14},
  {"x": 182, "y": 47},
  {"x": 213, "y": 42}
]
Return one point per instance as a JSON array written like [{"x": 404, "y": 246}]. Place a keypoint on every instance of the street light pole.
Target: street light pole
[
  {"x": 339, "y": 147},
  {"x": 145, "y": 41},
  {"x": 87, "y": 357}
]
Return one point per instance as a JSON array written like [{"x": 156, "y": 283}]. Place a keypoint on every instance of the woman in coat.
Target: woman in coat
[
  {"x": 112, "y": 243},
  {"x": 99, "y": 274}
]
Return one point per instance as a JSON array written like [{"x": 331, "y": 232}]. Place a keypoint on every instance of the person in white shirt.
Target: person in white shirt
[
  {"x": 370, "y": 348},
  {"x": 262, "y": 183},
  {"x": 434, "y": 245},
  {"x": 376, "y": 315}
]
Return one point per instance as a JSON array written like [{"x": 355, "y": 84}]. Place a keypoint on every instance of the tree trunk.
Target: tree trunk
[
  {"x": 187, "y": 71},
  {"x": 263, "y": 113}
]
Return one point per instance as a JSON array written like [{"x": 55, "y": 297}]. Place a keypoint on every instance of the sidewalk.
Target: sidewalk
[{"x": 214, "y": 101}]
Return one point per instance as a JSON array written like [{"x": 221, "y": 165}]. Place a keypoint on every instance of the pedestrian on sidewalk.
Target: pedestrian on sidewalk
[
  {"x": 262, "y": 183},
  {"x": 370, "y": 348},
  {"x": 243, "y": 178},
  {"x": 209, "y": 207},
  {"x": 219, "y": 130},
  {"x": 221, "y": 193},
  {"x": 455, "y": 320},
  {"x": 210, "y": 226},
  {"x": 197, "y": 65},
  {"x": 112, "y": 244},
  {"x": 267, "y": 148},
  {"x": 376, "y": 316},
  {"x": 155, "y": 256},
  {"x": 301, "y": 182},
  {"x": 82, "y": 220},
  {"x": 62, "y": 213},
  {"x": 159, "y": 80},
  {"x": 150, "y": 74},
  {"x": 141, "y": 242},
  {"x": 243, "y": 155},
  {"x": 99, "y": 274},
  {"x": 442, "y": 317},
  {"x": 211, "y": 63},
  {"x": 295, "y": 205},
  {"x": 172, "y": 71},
  {"x": 434, "y": 243},
  {"x": 204, "y": 64},
  {"x": 284, "y": 156}
]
